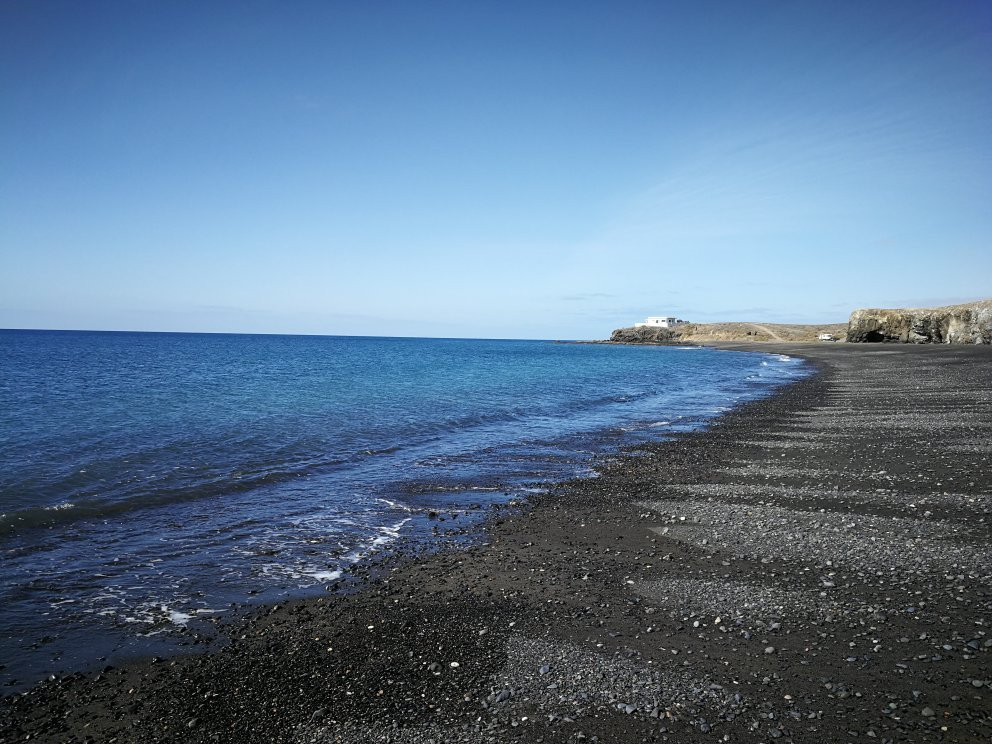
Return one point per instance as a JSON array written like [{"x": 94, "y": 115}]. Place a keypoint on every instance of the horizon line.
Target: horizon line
[{"x": 274, "y": 333}]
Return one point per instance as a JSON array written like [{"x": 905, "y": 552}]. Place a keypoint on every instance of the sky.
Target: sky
[{"x": 489, "y": 169}]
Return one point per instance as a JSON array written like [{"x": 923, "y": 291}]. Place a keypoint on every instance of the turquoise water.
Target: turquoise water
[{"x": 147, "y": 481}]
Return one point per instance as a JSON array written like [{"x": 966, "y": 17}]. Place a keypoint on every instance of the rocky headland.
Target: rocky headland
[{"x": 708, "y": 333}]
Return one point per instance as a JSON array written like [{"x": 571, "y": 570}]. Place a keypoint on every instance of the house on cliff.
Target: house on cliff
[{"x": 660, "y": 321}]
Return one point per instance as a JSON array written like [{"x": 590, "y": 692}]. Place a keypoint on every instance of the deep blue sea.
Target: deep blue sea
[{"x": 150, "y": 480}]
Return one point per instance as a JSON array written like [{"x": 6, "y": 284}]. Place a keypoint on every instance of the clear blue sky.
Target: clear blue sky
[{"x": 500, "y": 169}]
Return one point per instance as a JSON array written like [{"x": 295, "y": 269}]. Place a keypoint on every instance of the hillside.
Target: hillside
[{"x": 718, "y": 332}]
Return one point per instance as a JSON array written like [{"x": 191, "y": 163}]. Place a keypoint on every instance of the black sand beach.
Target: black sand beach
[{"x": 816, "y": 567}]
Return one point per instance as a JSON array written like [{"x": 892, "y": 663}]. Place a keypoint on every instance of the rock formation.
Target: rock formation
[
  {"x": 646, "y": 335},
  {"x": 970, "y": 323}
]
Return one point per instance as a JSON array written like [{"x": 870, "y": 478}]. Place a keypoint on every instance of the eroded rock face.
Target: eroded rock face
[{"x": 955, "y": 324}]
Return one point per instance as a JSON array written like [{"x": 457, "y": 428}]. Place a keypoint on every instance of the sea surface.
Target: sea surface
[{"x": 149, "y": 482}]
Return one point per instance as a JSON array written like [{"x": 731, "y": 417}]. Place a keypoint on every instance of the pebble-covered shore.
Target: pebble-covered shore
[{"x": 816, "y": 567}]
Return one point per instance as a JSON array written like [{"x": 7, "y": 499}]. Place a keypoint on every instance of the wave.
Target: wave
[
  {"x": 88, "y": 505},
  {"x": 93, "y": 508},
  {"x": 455, "y": 424}
]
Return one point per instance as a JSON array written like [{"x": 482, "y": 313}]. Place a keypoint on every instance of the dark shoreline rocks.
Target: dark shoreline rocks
[
  {"x": 814, "y": 567},
  {"x": 646, "y": 335}
]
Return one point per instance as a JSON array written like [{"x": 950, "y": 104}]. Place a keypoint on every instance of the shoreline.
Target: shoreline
[
  {"x": 594, "y": 608},
  {"x": 420, "y": 505}
]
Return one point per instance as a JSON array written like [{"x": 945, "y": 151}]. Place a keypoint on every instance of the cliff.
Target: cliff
[{"x": 970, "y": 323}]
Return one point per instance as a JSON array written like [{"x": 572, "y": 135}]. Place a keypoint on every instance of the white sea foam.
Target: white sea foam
[
  {"x": 176, "y": 617},
  {"x": 385, "y": 534},
  {"x": 660, "y": 423},
  {"x": 324, "y": 575},
  {"x": 395, "y": 504},
  {"x": 388, "y": 533}
]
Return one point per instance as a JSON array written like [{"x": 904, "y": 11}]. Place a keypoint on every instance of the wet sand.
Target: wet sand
[{"x": 814, "y": 567}]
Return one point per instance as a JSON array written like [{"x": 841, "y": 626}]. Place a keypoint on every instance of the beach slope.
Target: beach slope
[{"x": 814, "y": 567}]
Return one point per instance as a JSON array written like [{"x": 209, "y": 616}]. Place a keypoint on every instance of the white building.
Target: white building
[
  {"x": 827, "y": 337},
  {"x": 660, "y": 321}
]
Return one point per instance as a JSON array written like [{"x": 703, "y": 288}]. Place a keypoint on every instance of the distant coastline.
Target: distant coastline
[
  {"x": 967, "y": 323},
  {"x": 707, "y": 333}
]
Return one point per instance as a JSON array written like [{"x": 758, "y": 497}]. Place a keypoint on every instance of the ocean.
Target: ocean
[{"x": 151, "y": 482}]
